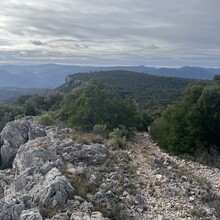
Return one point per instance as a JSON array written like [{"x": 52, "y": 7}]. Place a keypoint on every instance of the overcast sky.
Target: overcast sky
[{"x": 111, "y": 32}]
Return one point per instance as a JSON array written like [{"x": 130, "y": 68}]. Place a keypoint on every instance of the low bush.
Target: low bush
[
  {"x": 46, "y": 119},
  {"x": 117, "y": 138},
  {"x": 100, "y": 129},
  {"x": 87, "y": 138}
]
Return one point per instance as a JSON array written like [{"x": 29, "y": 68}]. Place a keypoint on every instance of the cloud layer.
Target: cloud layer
[{"x": 111, "y": 32}]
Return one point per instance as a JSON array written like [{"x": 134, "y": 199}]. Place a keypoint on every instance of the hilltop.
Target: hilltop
[{"x": 147, "y": 91}]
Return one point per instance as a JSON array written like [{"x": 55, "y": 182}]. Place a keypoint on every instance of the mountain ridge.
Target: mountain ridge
[{"x": 53, "y": 75}]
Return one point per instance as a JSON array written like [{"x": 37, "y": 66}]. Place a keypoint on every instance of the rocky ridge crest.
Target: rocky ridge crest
[{"x": 47, "y": 175}]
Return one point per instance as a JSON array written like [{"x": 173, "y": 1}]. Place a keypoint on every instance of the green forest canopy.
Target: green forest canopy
[{"x": 145, "y": 90}]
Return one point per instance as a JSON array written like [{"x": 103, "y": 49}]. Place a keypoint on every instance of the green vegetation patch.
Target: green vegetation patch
[
  {"x": 193, "y": 122},
  {"x": 92, "y": 104}
]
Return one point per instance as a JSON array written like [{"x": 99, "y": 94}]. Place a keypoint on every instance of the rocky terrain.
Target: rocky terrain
[
  {"x": 174, "y": 188},
  {"x": 47, "y": 175}
]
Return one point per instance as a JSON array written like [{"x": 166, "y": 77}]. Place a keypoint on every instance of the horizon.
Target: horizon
[
  {"x": 111, "y": 33},
  {"x": 105, "y": 66}
]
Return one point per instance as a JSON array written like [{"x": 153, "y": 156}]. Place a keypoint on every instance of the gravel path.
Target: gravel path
[{"x": 174, "y": 188}]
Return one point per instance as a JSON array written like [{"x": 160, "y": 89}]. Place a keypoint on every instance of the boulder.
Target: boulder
[
  {"x": 16, "y": 133},
  {"x": 13, "y": 135},
  {"x": 54, "y": 191},
  {"x": 31, "y": 214},
  {"x": 34, "y": 153}
]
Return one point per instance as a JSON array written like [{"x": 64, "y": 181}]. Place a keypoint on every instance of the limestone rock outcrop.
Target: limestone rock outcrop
[
  {"x": 54, "y": 191},
  {"x": 14, "y": 135},
  {"x": 90, "y": 155},
  {"x": 36, "y": 158},
  {"x": 34, "y": 154}
]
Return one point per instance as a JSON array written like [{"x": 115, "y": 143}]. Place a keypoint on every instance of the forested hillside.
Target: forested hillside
[{"x": 147, "y": 91}]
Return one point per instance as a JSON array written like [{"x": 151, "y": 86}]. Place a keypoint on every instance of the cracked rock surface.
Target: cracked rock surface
[{"x": 54, "y": 191}]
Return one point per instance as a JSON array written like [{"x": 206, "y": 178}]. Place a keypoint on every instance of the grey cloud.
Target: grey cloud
[
  {"x": 37, "y": 43},
  {"x": 153, "y": 47},
  {"x": 112, "y": 31}
]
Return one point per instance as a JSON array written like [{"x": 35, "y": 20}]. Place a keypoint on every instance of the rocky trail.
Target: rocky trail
[{"x": 174, "y": 188}]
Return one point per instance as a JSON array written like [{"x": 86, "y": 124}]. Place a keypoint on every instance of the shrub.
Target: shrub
[
  {"x": 92, "y": 104},
  {"x": 100, "y": 129},
  {"x": 83, "y": 185},
  {"x": 117, "y": 138},
  {"x": 46, "y": 119},
  {"x": 191, "y": 123}
]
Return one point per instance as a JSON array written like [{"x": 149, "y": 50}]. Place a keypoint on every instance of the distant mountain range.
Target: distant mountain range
[{"x": 53, "y": 75}]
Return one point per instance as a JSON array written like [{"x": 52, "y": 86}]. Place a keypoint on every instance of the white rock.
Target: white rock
[
  {"x": 31, "y": 214},
  {"x": 55, "y": 190}
]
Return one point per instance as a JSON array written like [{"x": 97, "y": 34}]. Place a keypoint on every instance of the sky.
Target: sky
[{"x": 111, "y": 32}]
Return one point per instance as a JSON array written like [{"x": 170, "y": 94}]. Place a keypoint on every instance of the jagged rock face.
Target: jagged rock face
[
  {"x": 11, "y": 207},
  {"x": 72, "y": 83},
  {"x": 15, "y": 134},
  {"x": 54, "y": 191},
  {"x": 35, "y": 184}
]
